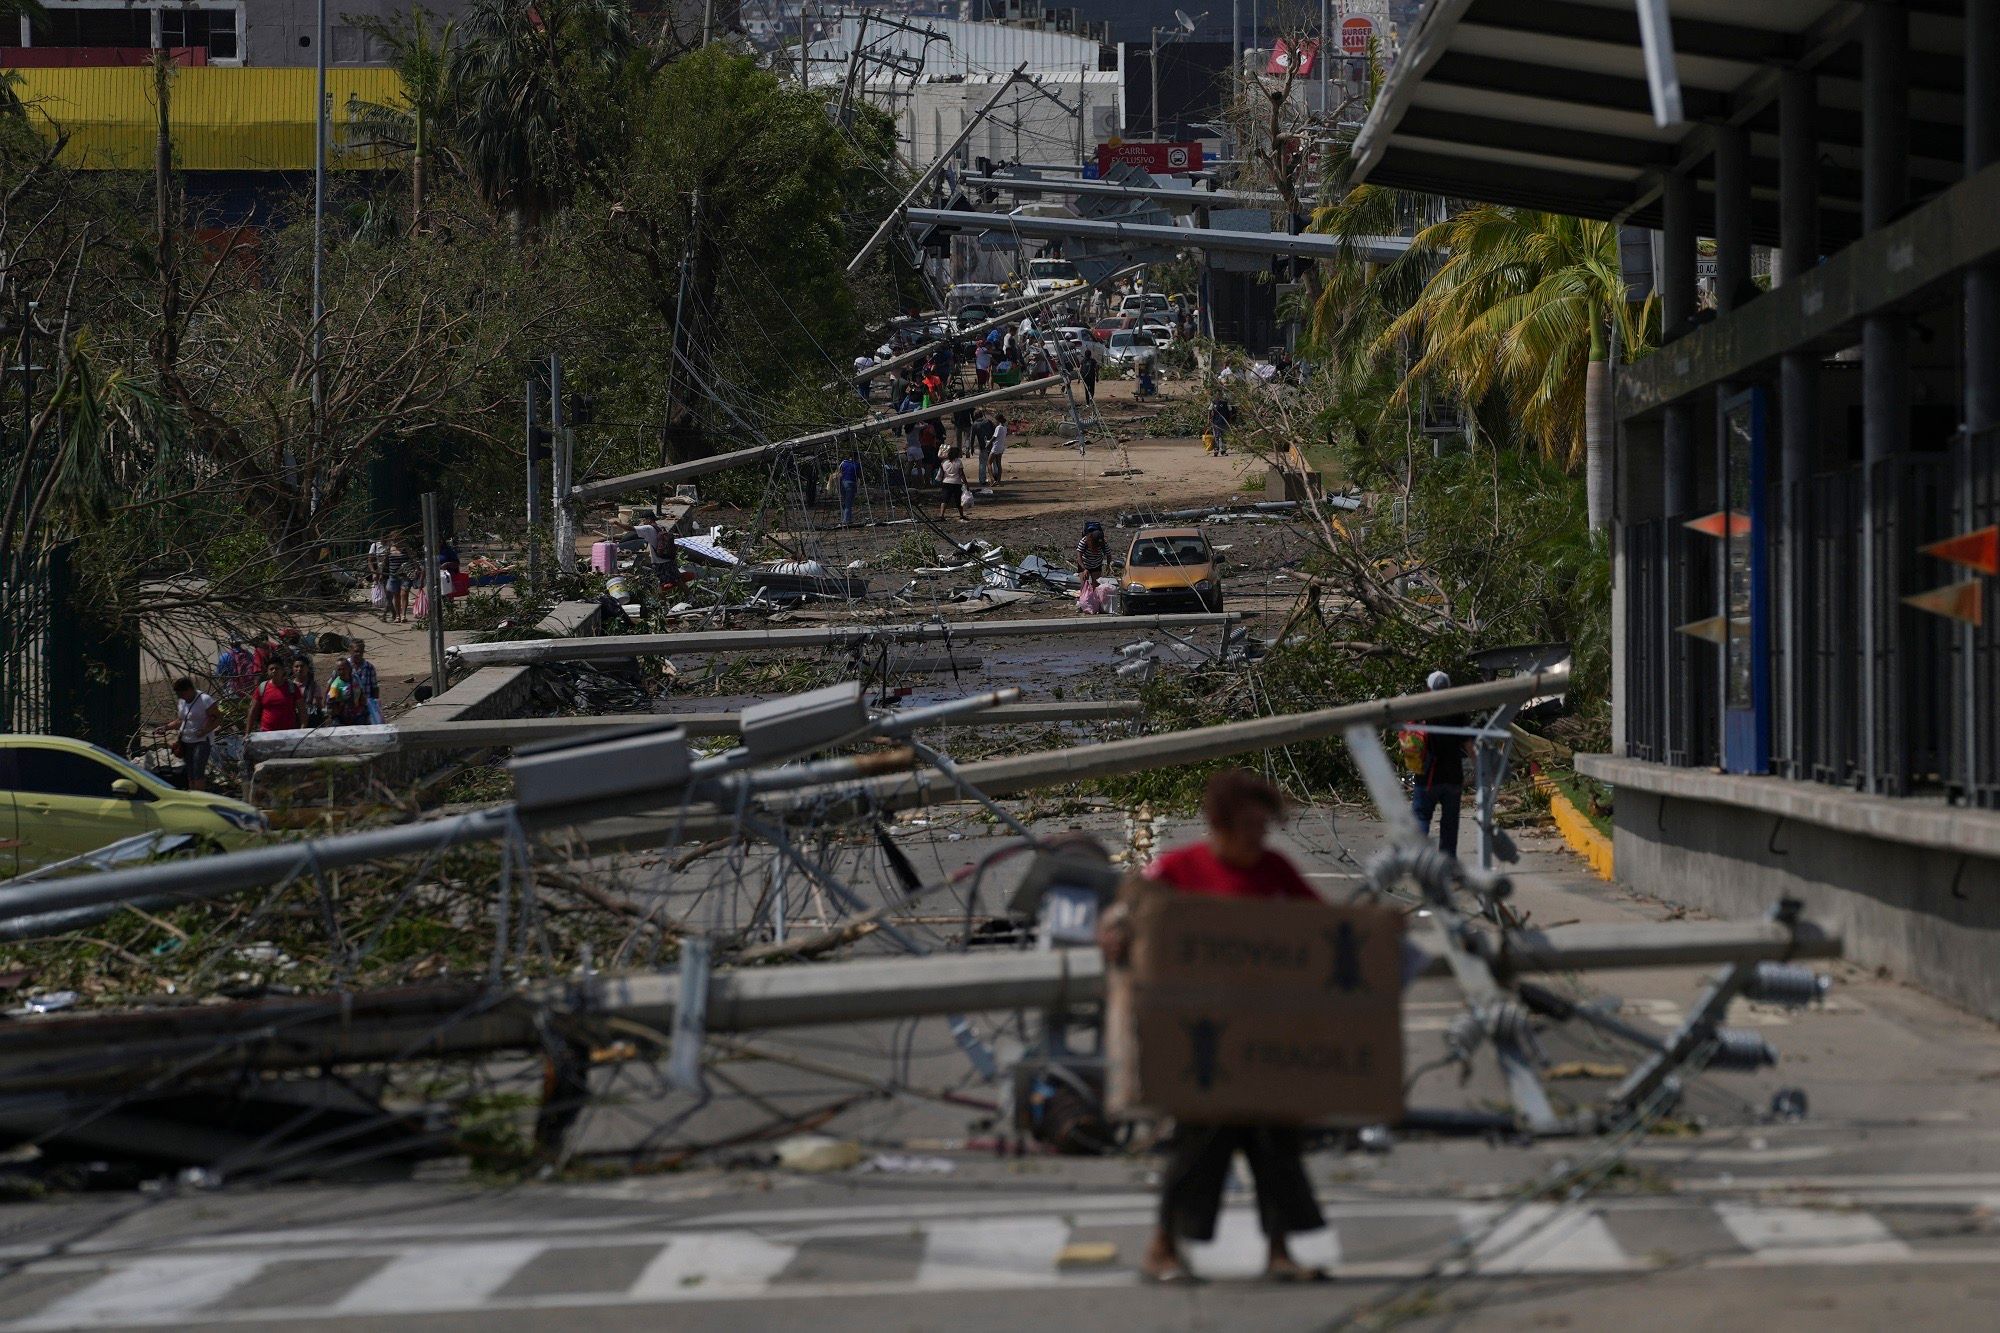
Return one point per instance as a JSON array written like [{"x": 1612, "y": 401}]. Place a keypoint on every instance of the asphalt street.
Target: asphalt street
[{"x": 1876, "y": 1208}]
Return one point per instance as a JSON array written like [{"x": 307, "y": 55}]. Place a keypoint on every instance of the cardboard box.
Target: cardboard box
[{"x": 1240, "y": 1012}]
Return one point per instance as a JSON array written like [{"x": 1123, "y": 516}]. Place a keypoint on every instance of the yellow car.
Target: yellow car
[
  {"x": 1171, "y": 569},
  {"x": 61, "y": 798}
]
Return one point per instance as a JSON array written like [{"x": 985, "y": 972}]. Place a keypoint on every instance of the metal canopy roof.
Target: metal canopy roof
[{"x": 1544, "y": 104}]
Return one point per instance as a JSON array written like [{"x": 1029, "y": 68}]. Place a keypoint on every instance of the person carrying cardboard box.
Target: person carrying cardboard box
[{"x": 1233, "y": 863}]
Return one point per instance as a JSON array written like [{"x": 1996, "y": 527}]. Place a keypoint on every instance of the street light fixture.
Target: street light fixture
[{"x": 1182, "y": 27}]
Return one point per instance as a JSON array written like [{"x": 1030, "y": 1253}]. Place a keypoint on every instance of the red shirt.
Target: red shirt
[
  {"x": 276, "y": 707},
  {"x": 1197, "y": 869}
]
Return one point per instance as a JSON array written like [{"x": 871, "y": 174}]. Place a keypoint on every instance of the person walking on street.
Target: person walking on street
[
  {"x": 365, "y": 680},
  {"x": 305, "y": 685},
  {"x": 194, "y": 732},
  {"x": 274, "y": 705},
  {"x": 345, "y": 704},
  {"x": 927, "y": 439},
  {"x": 961, "y": 430},
  {"x": 1440, "y": 782},
  {"x": 849, "y": 478},
  {"x": 1239, "y": 808},
  {"x": 1091, "y": 552},
  {"x": 236, "y": 670},
  {"x": 1089, "y": 375},
  {"x": 378, "y": 574},
  {"x": 982, "y": 441},
  {"x": 402, "y": 578},
  {"x": 997, "y": 453},
  {"x": 951, "y": 480},
  {"x": 1221, "y": 412},
  {"x": 982, "y": 364}
]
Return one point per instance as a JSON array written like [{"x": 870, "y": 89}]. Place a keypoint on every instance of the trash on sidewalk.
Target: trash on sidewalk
[
  {"x": 1034, "y": 569},
  {"x": 1088, "y": 1254},
  {"x": 817, "y": 1153},
  {"x": 709, "y": 549},
  {"x": 907, "y": 1164}
]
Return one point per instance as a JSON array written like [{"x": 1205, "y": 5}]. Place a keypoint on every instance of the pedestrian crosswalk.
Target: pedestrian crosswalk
[{"x": 885, "y": 1250}]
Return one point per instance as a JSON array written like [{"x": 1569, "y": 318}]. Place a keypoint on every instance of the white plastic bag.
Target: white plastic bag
[{"x": 378, "y": 593}]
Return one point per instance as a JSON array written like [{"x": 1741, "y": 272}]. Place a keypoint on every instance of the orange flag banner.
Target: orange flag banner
[
  {"x": 1722, "y": 523},
  {"x": 1715, "y": 629},
  {"x": 1978, "y": 550},
  {"x": 1957, "y": 601}
]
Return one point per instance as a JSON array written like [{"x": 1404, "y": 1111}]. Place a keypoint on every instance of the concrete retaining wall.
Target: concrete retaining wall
[{"x": 1927, "y": 911}]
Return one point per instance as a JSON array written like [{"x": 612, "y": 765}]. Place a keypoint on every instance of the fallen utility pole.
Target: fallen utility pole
[
  {"x": 509, "y": 732},
  {"x": 617, "y": 647},
  {"x": 702, "y": 467},
  {"x": 930, "y": 173},
  {"x": 83, "y": 1050},
  {"x": 1048, "y": 768},
  {"x": 604, "y": 824},
  {"x": 1013, "y": 315},
  {"x": 1374, "y": 249},
  {"x": 1179, "y": 200}
]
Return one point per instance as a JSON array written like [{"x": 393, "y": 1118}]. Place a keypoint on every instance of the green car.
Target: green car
[{"x": 61, "y": 798}]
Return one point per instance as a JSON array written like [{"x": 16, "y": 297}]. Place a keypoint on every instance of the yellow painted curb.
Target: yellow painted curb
[{"x": 1577, "y": 830}]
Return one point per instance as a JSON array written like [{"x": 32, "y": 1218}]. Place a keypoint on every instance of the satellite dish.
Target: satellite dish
[{"x": 1181, "y": 17}]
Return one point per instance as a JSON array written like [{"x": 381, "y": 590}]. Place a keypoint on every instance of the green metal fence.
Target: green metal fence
[{"x": 62, "y": 672}]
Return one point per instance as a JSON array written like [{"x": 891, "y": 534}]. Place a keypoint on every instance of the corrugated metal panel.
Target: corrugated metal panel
[
  {"x": 224, "y": 118},
  {"x": 968, "y": 48}
]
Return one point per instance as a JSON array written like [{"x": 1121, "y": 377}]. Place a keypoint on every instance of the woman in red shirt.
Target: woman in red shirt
[
  {"x": 274, "y": 706},
  {"x": 1233, "y": 863}
]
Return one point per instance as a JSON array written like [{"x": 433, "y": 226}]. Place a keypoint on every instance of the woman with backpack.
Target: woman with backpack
[{"x": 274, "y": 704}]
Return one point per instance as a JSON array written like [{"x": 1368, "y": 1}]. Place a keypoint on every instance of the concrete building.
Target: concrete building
[
  {"x": 1786, "y": 721},
  {"x": 266, "y": 33}
]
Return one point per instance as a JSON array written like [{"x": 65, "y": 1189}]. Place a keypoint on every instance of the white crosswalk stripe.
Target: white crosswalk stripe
[
  {"x": 1015, "y": 1251},
  {"x": 439, "y": 1277},
  {"x": 1811, "y": 1235},
  {"x": 145, "y": 1288},
  {"x": 200, "y": 1285},
  {"x": 1240, "y": 1249},
  {"x": 1544, "y": 1238},
  {"x": 715, "y": 1261}
]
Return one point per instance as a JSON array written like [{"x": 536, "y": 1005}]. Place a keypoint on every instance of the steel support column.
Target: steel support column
[
  {"x": 1732, "y": 218},
  {"x": 1982, "y": 373},
  {"x": 1677, "y": 299},
  {"x": 1733, "y": 289},
  {"x": 1885, "y": 391},
  {"x": 1798, "y": 422},
  {"x": 1677, "y": 255}
]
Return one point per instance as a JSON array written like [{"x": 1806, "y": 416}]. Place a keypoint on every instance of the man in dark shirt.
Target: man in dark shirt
[
  {"x": 1440, "y": 783},
  {"x": 1233, "y": 862}
]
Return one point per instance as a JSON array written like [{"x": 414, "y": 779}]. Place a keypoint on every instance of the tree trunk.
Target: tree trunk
[{"x": 1598, "y": 431}]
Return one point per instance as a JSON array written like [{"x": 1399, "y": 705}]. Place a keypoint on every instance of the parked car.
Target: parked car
[
  {"x": 1140, "y": 303},
  {"x": 975, "y": 314},
  {"x": 1070, "y": 340},
  {"x": 61, "y": 798},
  {"x": 1129, "y": 347},
  {"x": 1110, "y": 324},
  {"x": 1160, "y": 327},
  {"x": 1169, "y": 568}
]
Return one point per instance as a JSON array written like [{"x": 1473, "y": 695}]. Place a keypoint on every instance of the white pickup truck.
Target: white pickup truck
[{"x": 1049, "y": 276}]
